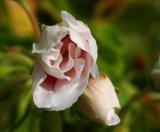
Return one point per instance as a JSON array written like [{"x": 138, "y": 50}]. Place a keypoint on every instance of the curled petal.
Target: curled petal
[
  {"x": 50, "y": 37},
  {"x": 77, "y": 52},
  {"x": 54, "y": 71},
  {"x": 77, "y": 25},
  {"x": 68, "y": 18},
  {"x": 64, "y": 93},
  {"x": 91, "y": 49},
  {"x": 51, "y": 55},
  {"x": 112, "y": 118},
  {"x": 94, "y": 70},
  {"x": 38, "y": 75},
  {"x": 68, "y": 64},
  {"x": 89, "y": 43}
]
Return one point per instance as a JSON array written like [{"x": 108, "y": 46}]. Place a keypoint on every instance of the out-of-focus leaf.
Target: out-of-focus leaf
[
  {"x": 127, "y": 91},
  {"x": 24, "y": 127},
  {"x": 24, "y": 101},
  {"x": 5, "y": 116},
  {"x": 138, "y": 17},
  {"x": 145, "y": 109},
  {"x": 14, "y": 72},
  {"x": 87, "y": 6},
  {"x": 15, "y": 59},
  {"x": 53, "y": 8},
  {"x": 51, "y": 121},
  {"x": 111, "y": 50}
]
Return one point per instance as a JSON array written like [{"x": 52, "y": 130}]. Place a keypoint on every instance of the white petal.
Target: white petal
[
  {"x": 105, "y": 88},
  {"x": 112, "y": 96},
  {"x": 93, "y": 47},
  {"x": 68, "y": 18},
  {"x": 70, "y": 91},
  {"x": 51, "y": 36},
  {"x": 77, "y": 40},
  {"x": 85, "y": 74},
  {"x": 37, "y": 75},
  {"x": 87, "y": 42},
  {"x": 53, "y": 70},
  {"x": 77, "y": 25},
  {"x": 94, "y": 70},
  {"x": 99, "y": 100},
  {"x": 64, "y": 95},
  {"x": 50, "y": 55},
  {"x": 58, "y": 61},
  {"x": 112, "y": 118},
  {"x": 50, "y": 65}
]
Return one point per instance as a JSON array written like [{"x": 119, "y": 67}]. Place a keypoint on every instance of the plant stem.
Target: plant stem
[{"x": 32, "y": 19}]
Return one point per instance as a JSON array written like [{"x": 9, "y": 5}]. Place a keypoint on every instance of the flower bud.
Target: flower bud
[{"x": 99, "y": 100}]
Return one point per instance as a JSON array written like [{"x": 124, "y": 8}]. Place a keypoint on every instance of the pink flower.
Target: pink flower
[{"x": 66, "y": 55}]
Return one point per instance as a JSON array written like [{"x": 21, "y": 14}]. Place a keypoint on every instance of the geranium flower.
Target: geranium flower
[{"x": 66, "y": 55}]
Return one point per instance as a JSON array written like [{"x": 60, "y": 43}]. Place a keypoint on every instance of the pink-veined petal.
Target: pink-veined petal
[
  {"x": 77, "y": 52},
  {"x": 89, "y": 43},
  {"x": 63, "y": 96},
  {"x": 54, "y": 71},
  {"x": 69, "y": 62}
]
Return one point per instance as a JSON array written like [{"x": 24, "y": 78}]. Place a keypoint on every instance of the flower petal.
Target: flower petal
[
  {"x": 94, "y": 70},
  {"x": 54, "y": 70},
  {"x": 68, "y": 18},
  {"x": 69, "y": 62},
  {"x": 89, "y": 43},
  {"x": 51, "y": 36},
  {"x": 112, "y": 118},
  {"x": 63, "y": 96},
  {"x": 52, "y": 55},
  {"x": 77, "y": 52},
  {"x": 37, "y": 75},
  {"x": 77, "y": 25},
  {"x": 105, "y": 87}
]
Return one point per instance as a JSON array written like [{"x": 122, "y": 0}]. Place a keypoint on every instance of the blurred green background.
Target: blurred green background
[{"x": 128, "y": 39}]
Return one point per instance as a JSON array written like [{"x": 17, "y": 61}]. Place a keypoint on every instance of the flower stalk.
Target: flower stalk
[{"x": 32, "y": 18}]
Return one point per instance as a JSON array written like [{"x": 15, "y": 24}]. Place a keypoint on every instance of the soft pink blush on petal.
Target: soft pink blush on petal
[
  {"x": 49, "y": 83},
  {"x": 68, "y": 62},
  {"x": 68, "y": 52}
]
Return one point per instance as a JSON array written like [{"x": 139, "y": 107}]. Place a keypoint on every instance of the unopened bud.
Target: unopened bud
[{"x": 99, "y": 100}]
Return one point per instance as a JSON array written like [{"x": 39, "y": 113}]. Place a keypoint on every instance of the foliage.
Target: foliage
[{"x": 128, "y": 39}]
